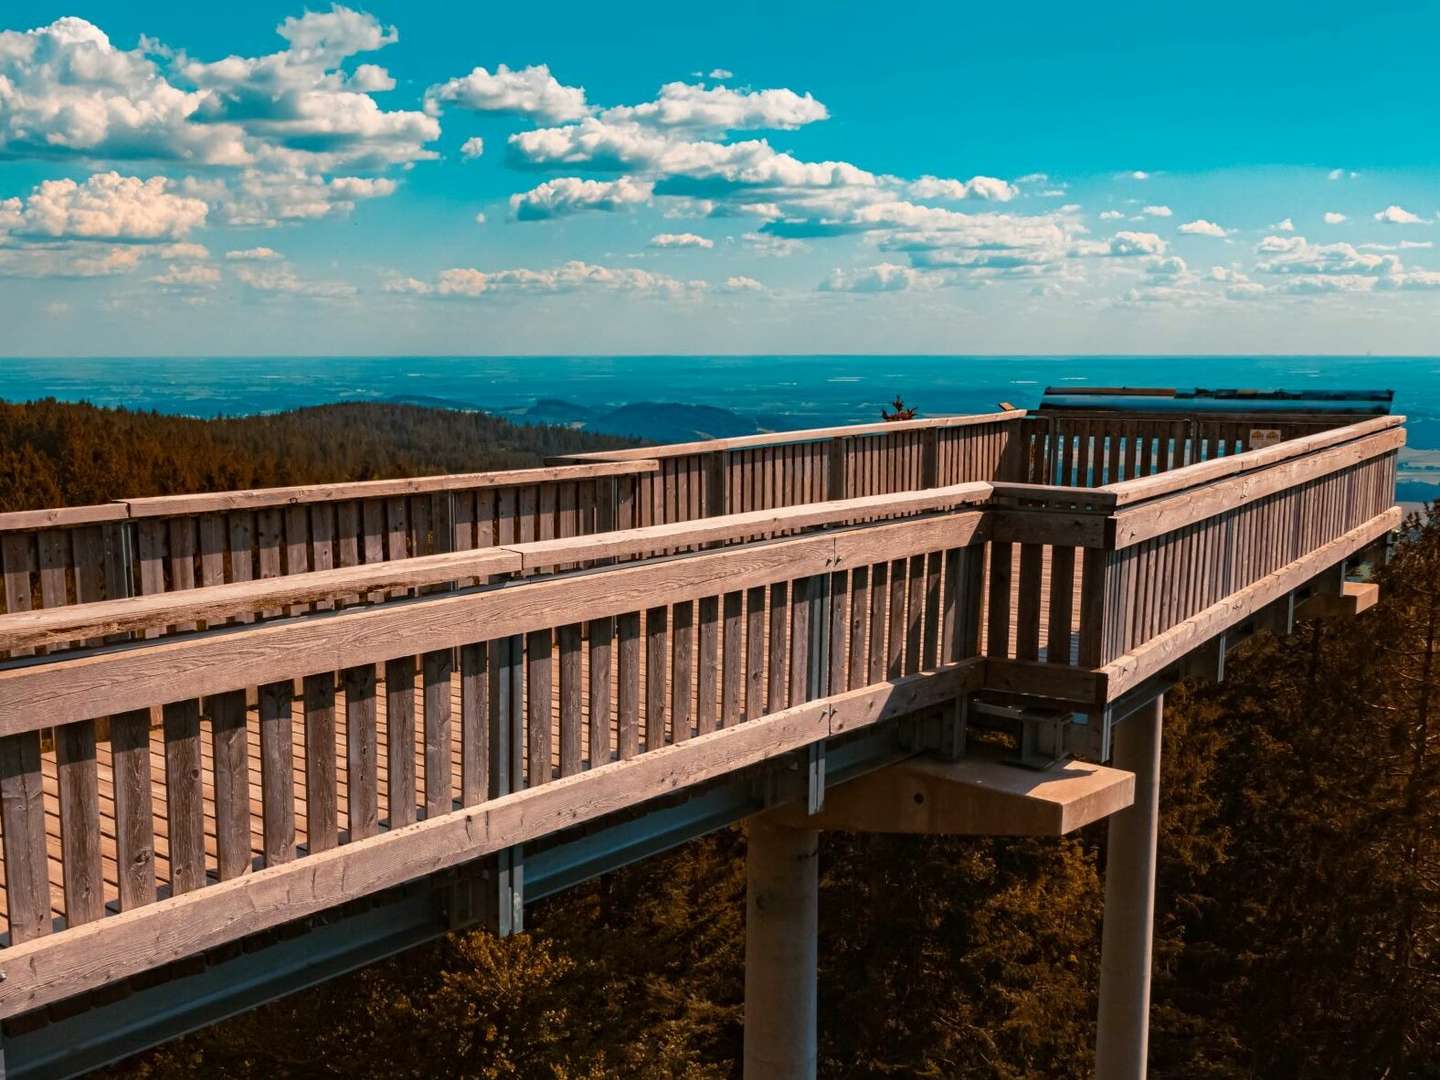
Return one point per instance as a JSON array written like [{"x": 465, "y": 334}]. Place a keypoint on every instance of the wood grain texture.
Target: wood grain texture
[{"x": 37, "y": 974}]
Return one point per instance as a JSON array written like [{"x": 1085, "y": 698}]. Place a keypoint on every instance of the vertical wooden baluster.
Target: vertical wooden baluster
[
  {"x": 474, "y": 726},
  {"x": 1092, "y": 608},
  {"x": 134, "y": 816},
  {"x": 627, "y": 690},
  {"x": 601, "y": 633},
  {"x": 799, "y": 652},
  {"x": 277, "y": 778},
  {"x": 322, "y": 543},
  {"x": 777, "y": 696},
  {"x": 507, "y": 715},
  {"x": 895, "y": 657},
  {"x": 656, "y": 656},
  {"x": 268, "y": 532},
  {"x": 241, "y": 526},
  {"x": 397, "y": 531},
  {"x": 709, "y": 665},
  {"x": 232, "y": 783},
  {"x": 879, "y": 594},
  {"x": 297, "y": 547},
  {"x": 348, "y": 529},
  {"x": 90, "y": 564},
  {"x": 732, "y": 687},
  {"x": 150, "y": 544},
  {"x": 321, "y": 814},
  {"x": 859, "y": 631},
  {"x": 183, "y": 795},
  {"x": 212, "y": 550},
  {"x": 400, "y": 739},
  {"x": 682, "y": 672},
  {"x": 16, "y": 555},
  {"x": 362, "y": 763},
  {"x": 539, "y": 703},
  {"x": 915, "y": 614},
  {"x": 1027, "y": 611},
  {"x": 755, "y": 653},
  {"x": 373, "y": 544},
  {"x": 22, "y": 826},
  {"x": 439, "y": 781},
  {"x": 182, "y": 559},
  {"x": 571, "y": 690},
  {"x": 1062, "y": 604},
  {"x": 79, "y": 822},
  {"x": 997, "y": 632},
  {"x": 931, "y": 645},
  {"x": 527, "y": 513}
]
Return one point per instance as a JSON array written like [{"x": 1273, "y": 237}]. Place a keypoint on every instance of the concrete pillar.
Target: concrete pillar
[
  {"x": 1124, "y": 1029},
  {"x": 780, "y": 947}
]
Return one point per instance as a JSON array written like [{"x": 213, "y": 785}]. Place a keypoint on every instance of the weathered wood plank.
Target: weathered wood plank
[
  {"x": 321, "y": 800},
  {"x": 400, "y": 740},
  {"x": 600, "y": 633},
  {"x": 22, "y": 824},
  {"x": 362, "y": 793},
  {"x": 40, "y": 972},
  {"x": 228, "y": 751},
  {"x": 439, "y": 781},
  {"x": 184, "y": 795},
  {"x": 571, "y": 696},
  {"x": 134, "y": 814}
]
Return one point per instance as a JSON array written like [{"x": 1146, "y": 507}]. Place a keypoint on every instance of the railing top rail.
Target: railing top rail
[
  {"x": 1203, "y": 472},
  {"x": 786, "y": 438},
  {"x": 44, "y": 691},
  {"x": 215, "y": 603},
  {"x": 260, "y": 498}
]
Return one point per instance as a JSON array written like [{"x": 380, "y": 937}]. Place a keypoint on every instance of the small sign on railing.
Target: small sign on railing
[{"x": 1263, "y": 436}]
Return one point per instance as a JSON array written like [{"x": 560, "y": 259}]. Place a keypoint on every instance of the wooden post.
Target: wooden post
[
  {"x": 781, "y": 918},
  {"x": 1127, "y": 935}
]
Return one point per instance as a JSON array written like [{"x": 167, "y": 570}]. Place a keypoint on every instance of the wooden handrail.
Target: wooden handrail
[
  {"x": 1202, "y": 472},
  {"x": 216, "y": 603},
  {"x": 257, "y": 498},
  {"x": 43, "y": 691},
  {"x": 787, "y": 438},
  {"x": 1152, "y": 518}
]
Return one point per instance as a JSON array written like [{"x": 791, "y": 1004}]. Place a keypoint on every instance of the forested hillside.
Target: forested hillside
[
  {"x": 1298, "y": 922},
  {"x": 56, "y": 453}
]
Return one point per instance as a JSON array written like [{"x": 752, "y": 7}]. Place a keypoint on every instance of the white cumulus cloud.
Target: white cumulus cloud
[
  {"x": 107, "y": 206},
  {"x": 1333, "y": 218},
  {"x": 472, "y": 148},
  {"x": 1201, "y": 227},
  {"x": 531, "y": 92},
  {"x": 1397, "y": 215},
  {"x": 680, "y": 240},
  {"x": 977, "y": 187},
  {"x": 569, "y": 194}
]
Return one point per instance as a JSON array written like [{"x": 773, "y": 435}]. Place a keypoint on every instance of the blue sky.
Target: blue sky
[{"x": 822, "y": 178}]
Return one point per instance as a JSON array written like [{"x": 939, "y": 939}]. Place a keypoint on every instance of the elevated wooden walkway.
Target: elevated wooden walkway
[{"x": 223, "y": 713}]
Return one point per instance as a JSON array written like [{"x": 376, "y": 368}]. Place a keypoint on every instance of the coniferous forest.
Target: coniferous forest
[{"x": 1298, "y": 912}]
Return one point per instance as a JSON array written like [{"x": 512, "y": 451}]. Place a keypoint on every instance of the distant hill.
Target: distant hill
[
  {"x": 653, "y": 421},
  {"x": 55, "y": 453}
]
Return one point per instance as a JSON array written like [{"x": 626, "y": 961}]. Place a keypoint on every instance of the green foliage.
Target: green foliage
[{"x": 60, "y": 454}]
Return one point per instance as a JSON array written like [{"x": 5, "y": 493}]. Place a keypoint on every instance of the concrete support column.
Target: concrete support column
[
  {"x": 1127, "y": 938},
  {"x": 780, "y": 948}
]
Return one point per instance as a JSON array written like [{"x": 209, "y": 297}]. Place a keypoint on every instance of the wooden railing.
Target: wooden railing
[{"x": 245, "y": 752}]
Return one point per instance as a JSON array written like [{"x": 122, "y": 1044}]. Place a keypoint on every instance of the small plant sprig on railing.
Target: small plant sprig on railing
[{"x": 901, "y": 411}]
